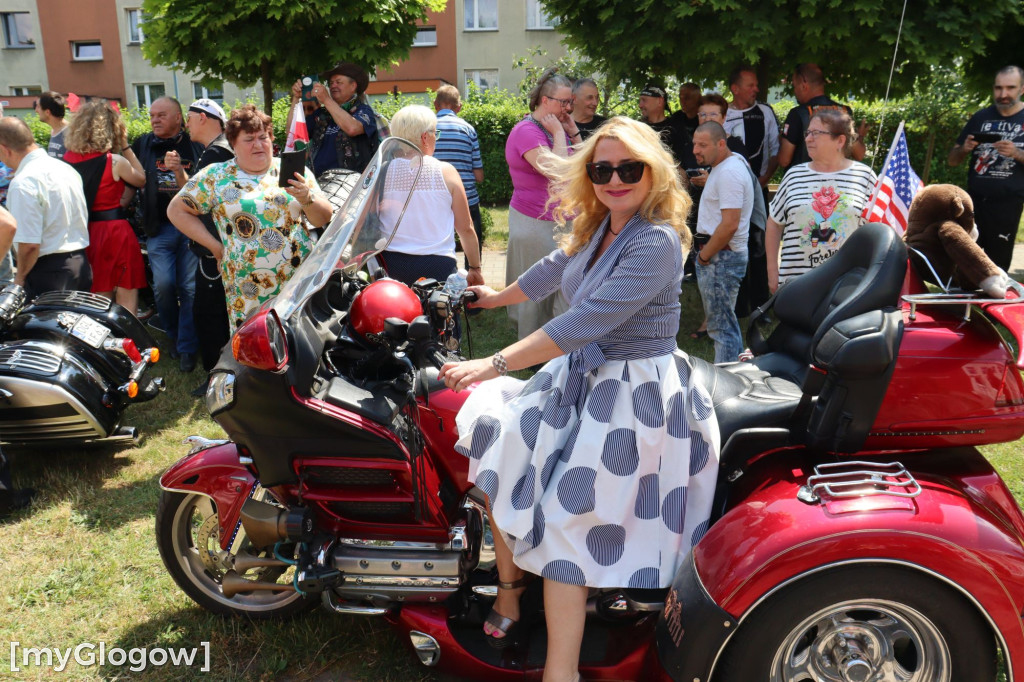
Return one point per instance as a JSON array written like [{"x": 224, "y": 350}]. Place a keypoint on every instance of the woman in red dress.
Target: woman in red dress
[{"x": 113, "y": 251}]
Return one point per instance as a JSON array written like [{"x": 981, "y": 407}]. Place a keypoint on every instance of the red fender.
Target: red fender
[
  {"x": 216, "y": 473},
  {"x": 964, "y": 529}
]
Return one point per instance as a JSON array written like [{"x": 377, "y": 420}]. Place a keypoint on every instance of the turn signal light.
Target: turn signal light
[
  {"x": 260, "y": 343},
  {"x": 133, "y": 388},
  {"x": 154, "y": 355}
]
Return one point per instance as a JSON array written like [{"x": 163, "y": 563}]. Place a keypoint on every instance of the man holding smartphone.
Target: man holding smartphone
[
  {"x": 994, "y": 139},
  {"x": 343, "y": 131}
]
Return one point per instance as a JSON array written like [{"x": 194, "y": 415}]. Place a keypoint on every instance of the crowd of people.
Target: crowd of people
[
  {"x": 606, "y": 219},
  {"x": 614, "y": 204}
]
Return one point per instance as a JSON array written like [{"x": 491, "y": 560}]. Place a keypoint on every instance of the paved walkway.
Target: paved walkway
[{"x": 494, "y": 266}]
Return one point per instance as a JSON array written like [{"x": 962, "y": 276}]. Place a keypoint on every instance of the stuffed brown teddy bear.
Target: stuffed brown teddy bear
[{"x": 941, "y": 226}]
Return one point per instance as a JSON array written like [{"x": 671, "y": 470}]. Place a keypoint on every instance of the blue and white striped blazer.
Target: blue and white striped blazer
[{"x": 626, "y": 306}]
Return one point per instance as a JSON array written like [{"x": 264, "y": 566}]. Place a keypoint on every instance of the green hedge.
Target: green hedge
[{"x": 933, "y": 118}]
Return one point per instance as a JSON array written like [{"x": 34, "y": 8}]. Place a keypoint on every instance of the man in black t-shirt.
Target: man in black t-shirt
[
  {"x": 585, "y": 100},
  {"x": 994, "y": 139},
  {"x": 686, "y": 118},
  {"x": 654, "y": 109},
  {"x": 809, "y": 89}
]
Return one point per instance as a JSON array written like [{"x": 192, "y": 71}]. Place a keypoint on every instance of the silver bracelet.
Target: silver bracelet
[{"x": 499, "y": 364}]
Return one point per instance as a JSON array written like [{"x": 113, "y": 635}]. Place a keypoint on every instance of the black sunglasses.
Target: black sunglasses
[{"x": 600, "y": 173}]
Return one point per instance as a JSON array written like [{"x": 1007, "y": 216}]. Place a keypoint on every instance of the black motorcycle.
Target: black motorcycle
[{"x": 70, "y": 364}]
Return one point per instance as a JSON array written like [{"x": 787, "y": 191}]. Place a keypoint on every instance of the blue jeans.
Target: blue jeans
[
  {"x": 719, "y": 283},
  {"x": 174, "y": 285}
]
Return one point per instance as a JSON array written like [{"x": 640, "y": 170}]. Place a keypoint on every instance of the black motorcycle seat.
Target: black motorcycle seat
[{"x": 746, "y": 396}]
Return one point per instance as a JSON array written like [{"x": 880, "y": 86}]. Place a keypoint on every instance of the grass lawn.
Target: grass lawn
[{"x": 81, "y": 565}]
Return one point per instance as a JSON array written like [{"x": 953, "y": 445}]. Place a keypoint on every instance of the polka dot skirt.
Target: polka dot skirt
[{"x": 610, "y": 495}]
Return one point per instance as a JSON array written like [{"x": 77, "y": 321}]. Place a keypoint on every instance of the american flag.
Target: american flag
[{"x": 896, "y": 187}]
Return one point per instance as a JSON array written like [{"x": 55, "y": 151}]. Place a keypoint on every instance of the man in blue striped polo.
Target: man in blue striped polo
[{"x": 458, "y": 145}]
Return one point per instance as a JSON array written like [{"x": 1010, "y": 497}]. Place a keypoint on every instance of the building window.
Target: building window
[
  {"x": 145, "y": 93},
  {"x": 135, "y": 36},
  {"x": 481, "y": 15},
  {"x": 86, "y": 51},
  {"x": 426, "y": 36},
  {"x": 537, "y": 18},
  {"x": 216, "y": 94},
  {"x": 485, "y": 79},
  {"x": 22, "y": 90},
  {"x": 18, "y": 30}
]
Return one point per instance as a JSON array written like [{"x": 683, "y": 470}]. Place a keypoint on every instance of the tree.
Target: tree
[
  {"x": 276, "y": 41},
  {"x": 852, "y": 40}
]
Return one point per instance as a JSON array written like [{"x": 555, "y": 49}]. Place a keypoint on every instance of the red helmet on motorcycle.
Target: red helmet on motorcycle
[{"x": 383, "y": 299}]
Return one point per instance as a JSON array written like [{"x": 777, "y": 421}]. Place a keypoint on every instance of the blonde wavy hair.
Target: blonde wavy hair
[
  {"x": 667, "y": 204},
  {"x": 96, "y": 127}
]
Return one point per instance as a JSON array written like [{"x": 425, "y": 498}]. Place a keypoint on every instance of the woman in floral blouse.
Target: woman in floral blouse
[{"x": 263, "y": 227}]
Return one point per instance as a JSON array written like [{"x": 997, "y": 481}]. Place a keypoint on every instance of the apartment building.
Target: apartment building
[
  {"x": 94, "y": 48},
  {"x": 474, "y": 41}
]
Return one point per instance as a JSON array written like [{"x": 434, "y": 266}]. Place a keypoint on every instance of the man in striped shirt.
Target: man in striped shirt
[{"x": 457, "y": 144}]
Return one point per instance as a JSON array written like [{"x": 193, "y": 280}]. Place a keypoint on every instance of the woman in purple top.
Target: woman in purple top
[{"x": 531, "y": 226}]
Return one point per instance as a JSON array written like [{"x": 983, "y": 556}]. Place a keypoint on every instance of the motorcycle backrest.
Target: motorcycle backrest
[{"x": 865, "y": 274}]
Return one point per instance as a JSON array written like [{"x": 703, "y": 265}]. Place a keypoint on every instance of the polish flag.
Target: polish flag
[{"x": 298, "y": 135}]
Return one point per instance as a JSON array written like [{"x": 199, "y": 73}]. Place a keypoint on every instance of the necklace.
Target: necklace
[{"x": 613, "y": 231}]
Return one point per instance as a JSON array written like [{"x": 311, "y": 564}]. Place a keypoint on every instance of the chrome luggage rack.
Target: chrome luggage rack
[
  {"x": 951, "y": 296},
  {"x": 840, "y": 480}
]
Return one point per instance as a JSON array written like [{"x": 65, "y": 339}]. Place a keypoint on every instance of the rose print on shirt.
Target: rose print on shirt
[{"x": 825, "y": 201}]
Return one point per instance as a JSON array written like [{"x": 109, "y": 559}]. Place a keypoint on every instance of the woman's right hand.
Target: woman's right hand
[
  {"x": 486, "y": 297},
  {"x": 296, "y": 91},
  {"x": 552, "y": 124}
]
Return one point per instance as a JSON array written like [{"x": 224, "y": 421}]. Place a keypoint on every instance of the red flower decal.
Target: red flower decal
[{"x": 825, "y": 201}]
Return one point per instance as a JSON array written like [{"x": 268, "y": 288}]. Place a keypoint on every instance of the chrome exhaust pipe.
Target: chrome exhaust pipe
[{"x": 232, "y": 583}]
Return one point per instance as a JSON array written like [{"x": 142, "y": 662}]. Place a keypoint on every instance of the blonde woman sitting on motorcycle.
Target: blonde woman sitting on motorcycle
[{"x": 599, "y": 471}]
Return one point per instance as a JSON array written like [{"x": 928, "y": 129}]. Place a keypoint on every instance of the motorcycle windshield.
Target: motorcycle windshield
[{"x": 362, "y": 228}]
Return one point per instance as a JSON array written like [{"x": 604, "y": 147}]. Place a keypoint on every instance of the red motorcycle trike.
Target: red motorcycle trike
[{"x": 858, "y": 535}]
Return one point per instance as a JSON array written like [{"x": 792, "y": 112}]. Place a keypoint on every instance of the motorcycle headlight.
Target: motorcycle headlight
[{"x": 220, "y": 394}]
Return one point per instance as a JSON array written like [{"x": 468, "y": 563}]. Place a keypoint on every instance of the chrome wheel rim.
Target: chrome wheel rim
[
  {"x": 863, "y": 641},
  {"x": 194, "y": 540}
]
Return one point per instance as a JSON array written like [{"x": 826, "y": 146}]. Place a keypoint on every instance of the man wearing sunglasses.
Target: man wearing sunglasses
[{"x": 723, "y": 223}]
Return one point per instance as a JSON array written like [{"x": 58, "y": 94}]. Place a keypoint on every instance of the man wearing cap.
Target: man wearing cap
[
  {"x": 167, "y": 155},
  {"x": 343, "y": 131},
  {"x": 653, "y": 109},
  {"x": 205, "y": 120}
]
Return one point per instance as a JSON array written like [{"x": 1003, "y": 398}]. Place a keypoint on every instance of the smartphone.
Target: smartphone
[
  {"x": 307, "y": 87},
  {"x": 982, "y": 138},
  {"x": 291, "y": 163},
  {"x": 694, "y": 172}
]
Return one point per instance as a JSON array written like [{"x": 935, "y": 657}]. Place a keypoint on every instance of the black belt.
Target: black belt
[{"x": 110, "y": 214}]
